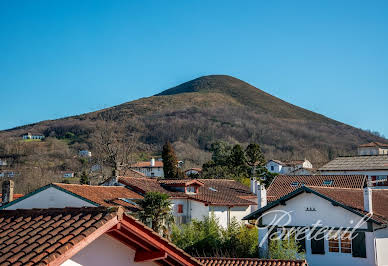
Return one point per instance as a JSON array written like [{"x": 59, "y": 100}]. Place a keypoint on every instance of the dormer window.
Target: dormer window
[
  {"x": 328, "y": 182},
  {"x": 191, "y": 189}
]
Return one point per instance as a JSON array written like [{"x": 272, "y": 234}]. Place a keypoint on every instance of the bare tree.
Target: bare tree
[{"x": 114, "y": 145}]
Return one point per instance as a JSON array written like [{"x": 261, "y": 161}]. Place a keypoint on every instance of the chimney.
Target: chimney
[
  {"x": 368, "y": 204},
  {"x": 7, "y": 191},
  {"x": 261, "y": 196},
  {"x": 253, "y": 185},
  {"x": 152, "y": 162}
]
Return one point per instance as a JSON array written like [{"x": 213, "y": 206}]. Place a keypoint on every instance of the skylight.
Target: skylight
[
  {"x": 294, "y": 184},
  {"x": 328, "y": 182},
  {"x": 213, "y": 189}
]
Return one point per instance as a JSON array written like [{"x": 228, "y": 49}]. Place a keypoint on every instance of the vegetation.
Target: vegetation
[
  {"x": 156, "y": 212},
  {"x": 170, "y": 162},
  {"x": 84, "y": 179},
  {"x": 233, "y": 162},
  {"x": 286, "y": 249},
  {"x": 191, "y": 116},
  {"x": 208, "y": 239}
]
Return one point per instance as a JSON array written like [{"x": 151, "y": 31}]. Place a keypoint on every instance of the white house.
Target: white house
[
  {"x": 375, "y": 167},
  {"x": 67, "y": 174},
  {"x": 287, "y": 167},
  {"x": 3, "y": 162},
  {"x": 151, "y": 168},
  {"x": 29, "y": 135},
  {"x": 96, "y": 236},
  {"x": 373, "y": 148},
  {"x": 193, "y": 171},
  {"x": 85, "y": 153},
  {"x": 330, "y": 224},
  {"x": 197, "y": 198}
]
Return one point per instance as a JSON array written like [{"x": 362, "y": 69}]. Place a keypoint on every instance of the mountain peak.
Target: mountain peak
[{"x": 211, "y": 83}]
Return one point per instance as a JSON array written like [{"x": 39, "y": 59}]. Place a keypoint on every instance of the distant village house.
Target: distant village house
[
  {"x": 290, "y": 167},
  {"x": 85, "y": 153},
  {"x": 29, "y": 135},
  {"x": 373, "y": 148},
  {"x": 152, "y": 168}
]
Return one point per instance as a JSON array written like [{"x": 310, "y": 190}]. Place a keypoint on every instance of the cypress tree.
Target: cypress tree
[{"x": 170, "y": 162}]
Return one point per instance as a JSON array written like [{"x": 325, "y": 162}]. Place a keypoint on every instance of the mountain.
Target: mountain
[{"x": 207, "y": 109}]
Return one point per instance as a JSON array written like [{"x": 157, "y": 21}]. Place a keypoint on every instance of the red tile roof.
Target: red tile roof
[
  {"x": 284, "y": 184},
  {"x": 51, "y": 236},
  {"x": 15, "y": 196},
  {"x": 354, "y": 198},
  {"x": 374, "y": 144},
  {"x": 214, "y": 191},
  {"x": 147, "y": 164},
  {"x": 249, "y": 262},
  {"x": 103, "y": 195}
]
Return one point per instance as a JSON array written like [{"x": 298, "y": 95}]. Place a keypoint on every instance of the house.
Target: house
[
  {"x": 249, "y": 261},
  {"x": 58, "y": 195},
  {"x": 375, "y": 167},
  {"x": 335, "y": 226},
  {"x": 8, "y": 173},
  {"x": 286, "y": 167},
  {"x": 29, "y": 135},
  {"x": 3, "y": 162},
  {"x": 67, "y": 174},
  {"x": 281, "y": 185},
  {"x": 193, "y": 171},
  {"x": 89, "y": 236},
  {"x": 85, "y": 153},
  {"x": 373, "y": 148},
  {"x": 197, "y": 198},
  {"x": 151, "y": 168}
]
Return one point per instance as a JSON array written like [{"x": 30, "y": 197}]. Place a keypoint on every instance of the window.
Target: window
[
  {"x": 333, "y": 242},
  {"x": 294, "y": 184},
  {"x": 180, "y": 208},
  {"x": 190, "y": 189},
  {"x": 346, "y": 243},
  {"x": 272, "y": 168},
  {"x": 328, "y": 182},
  {"x": 340, "y": 242}
]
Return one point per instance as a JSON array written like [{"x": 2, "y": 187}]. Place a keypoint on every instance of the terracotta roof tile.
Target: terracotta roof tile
[
  {"x": 365, "y": 162},
  {"x": 38, "y": 246},
  {"x": 103, "y": 195},
  {"x": 374, "y": 144},
  {"x": 249, "y": 261},
  {"x": 147, "y": 164},
  {"x": 213, "y": 191},
  {"x": 284, "y": 184}
]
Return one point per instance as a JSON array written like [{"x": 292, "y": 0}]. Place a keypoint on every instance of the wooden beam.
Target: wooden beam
[{"x": 144, "y": 255}]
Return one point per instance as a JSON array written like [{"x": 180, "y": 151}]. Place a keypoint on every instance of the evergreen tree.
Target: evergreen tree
[
  {"x": 156, "y": 212},
  {"x": 170, "y": 162},
  {"x": 256, "y": 161},
  {"x": 84, "y": 179}
]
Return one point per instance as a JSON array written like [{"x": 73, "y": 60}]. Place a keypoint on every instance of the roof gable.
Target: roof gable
[{"x": 51, "y": 236}]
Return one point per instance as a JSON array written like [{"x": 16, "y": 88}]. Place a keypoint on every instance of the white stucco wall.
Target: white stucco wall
[
  {"x": 382, "y": 246},
  {"x": 328, "y": 215},
  {"x": 50, "y": 198},
  {"x": 240, "y": 212},
  {"x": 157, "y": 171},
  {"x": 105, "y": 251},
  {"x": 222, "y": 214},
  {"x": 198, "y": 210},
  {"x": 277, "y": 168}
]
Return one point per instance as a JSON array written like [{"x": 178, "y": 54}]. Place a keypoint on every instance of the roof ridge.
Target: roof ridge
[
  {"x": 66, "y": 210},
  {"x": 330, "y": 187}
]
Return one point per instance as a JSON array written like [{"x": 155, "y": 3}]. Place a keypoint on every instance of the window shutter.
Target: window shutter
[
  {"x": 301, "y": 241},
  {"x": 358, "y": 245},
  {"x": 317, "y": 246}
]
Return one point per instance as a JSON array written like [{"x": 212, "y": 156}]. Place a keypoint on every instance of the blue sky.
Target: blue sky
[{"x": 60, "y": 58}]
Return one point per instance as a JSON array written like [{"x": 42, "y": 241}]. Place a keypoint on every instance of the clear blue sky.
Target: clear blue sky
[{"x": 60, "y": 58}]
